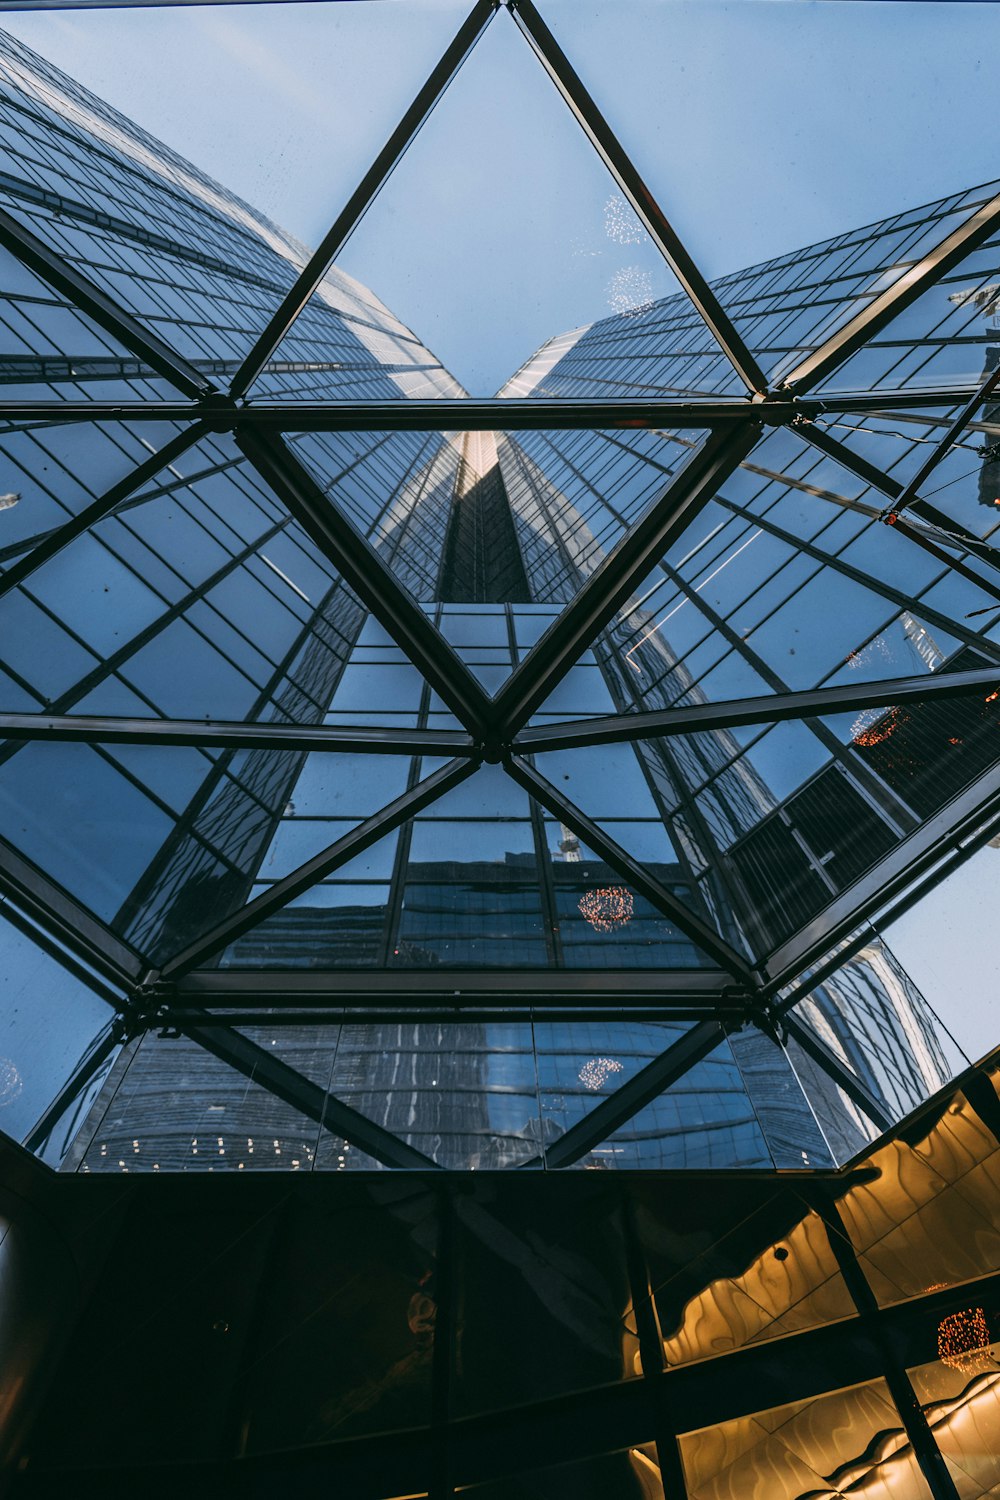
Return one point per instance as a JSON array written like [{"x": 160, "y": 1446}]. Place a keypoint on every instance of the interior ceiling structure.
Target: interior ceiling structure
[{"x": 752, "y": 410}]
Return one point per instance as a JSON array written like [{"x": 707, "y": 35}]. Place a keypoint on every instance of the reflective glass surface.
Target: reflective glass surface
[
  {"x": 839, "y": 1441},
  {"x": 928, "y": 1219},
  {"x": 49, "y": 1021},
  {"x": 367, "y": 596}
]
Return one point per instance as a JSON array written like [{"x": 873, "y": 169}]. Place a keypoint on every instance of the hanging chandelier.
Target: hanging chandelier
[{"x": 607, "y": 908}]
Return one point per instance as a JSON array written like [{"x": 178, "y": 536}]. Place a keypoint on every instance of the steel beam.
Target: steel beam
[
  {"x": 81, "y": 1077},
  {"x": 220, "y": 734},
  {"x": 930, "y": 1460},
  {"x": 647, "y": 210},
  {"x": 270, "y": 1073},
  {"x": 831, "y": 1065},
  {"x": 372, "y": 580},
  {"x": 618, "y": 1108},
  {"x": 100, "y": 308},
  {"x": 407, "y": 805},
  {"x": 455, "y": 988},
  {"x": 957, "y": 821},
  {"x": 772, "y": 709},
  {"x": 638, "y": 876},
  {"x": 70, "y": 924},
  {"x": 881, "y": 310},
  {"x": 446, "y": 414},
  {"x": 615, "y": 578},
  {"x": 61, "y": 536},
  {"x": 957, "y": 427},
  {"x": 928, "y": 544},
  {"x": 874, "y": 402},
  {"x": 819, "y": 437},
  {"x": 604, "y": 1010},
  {"x": 364, "y": 195}
]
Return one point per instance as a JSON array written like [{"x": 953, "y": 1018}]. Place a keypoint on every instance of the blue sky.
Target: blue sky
[{"x": 761, "y": 125}]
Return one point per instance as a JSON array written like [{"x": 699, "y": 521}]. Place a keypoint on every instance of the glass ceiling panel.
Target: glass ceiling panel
[
  {"x": 481, "y": 879},
  {"x": 945, "y": 941},
  {"x": 766, "y": 824},
  {"x": 480, "y": 520},
  {"x": 946, "y": 337},
  {"x": 316, "y": 89},
  {"x": 706, "y": 1119},
  {"x": 52, "y": 471},
  {"x": 696, "y": 89},
  {"x": 198, "y": 597},
  {"x": 788, "y": 581},
  {"x": 477, "y": 234},
  {"x": 49, "y": 1019},
  {"x": 179, "y": 1108}
]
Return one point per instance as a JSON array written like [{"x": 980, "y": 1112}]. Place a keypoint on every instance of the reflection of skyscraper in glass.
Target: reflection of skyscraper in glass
[{"x": 223, "y": 608}]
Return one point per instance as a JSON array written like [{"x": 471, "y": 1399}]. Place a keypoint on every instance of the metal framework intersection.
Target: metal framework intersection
[{"x": 206, "y": 1003}]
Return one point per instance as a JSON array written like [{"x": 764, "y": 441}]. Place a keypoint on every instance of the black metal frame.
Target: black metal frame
[{"x": 739, "y": 991}]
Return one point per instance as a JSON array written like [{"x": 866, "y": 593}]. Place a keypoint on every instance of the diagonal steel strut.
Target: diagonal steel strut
[{"x": 389, "y": 818}]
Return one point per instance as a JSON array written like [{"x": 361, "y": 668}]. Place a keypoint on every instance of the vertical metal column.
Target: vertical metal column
[{"x": 929, "y": 1457}]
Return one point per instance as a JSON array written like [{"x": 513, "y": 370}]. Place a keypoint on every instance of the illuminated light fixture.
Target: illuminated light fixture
[
  {"x": 595, "y": 1073},
  {"x": 964, "y": 1341},
  {"x": 607, "y": 908},
  {"x": 10, "y": 1082}
]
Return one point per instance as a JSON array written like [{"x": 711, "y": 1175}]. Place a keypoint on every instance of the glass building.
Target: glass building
[{"x": 394, "y": 780}]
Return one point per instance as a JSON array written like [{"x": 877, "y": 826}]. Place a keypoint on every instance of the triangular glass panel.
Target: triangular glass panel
[
  {"x": 703, "y": 1120},
  {"x": 202, "y": 596},
  {"x": 947, "y": 336},
  {"x": 463, "y": 1093},
  {"x": 658, "y": 73},
  {"x": 582, "y": 1063},
  {"x": 634, "y": 794},
  {"x": 874, "y": 989},
  {"x": 944, "y": 944},
  {"x": 179, "y": 1107},
  {"x": 778, "y": 821},
  {"x": 785, "y": 578},
  {"x": 49, "y": 1020},
  {"x": 95, "y": 824},
  {"x": 480, "y": 879},
  {"x": 492, "y": 532},
  {"x": 201, "y": 237},
  {"x": 471, "y": 226}
]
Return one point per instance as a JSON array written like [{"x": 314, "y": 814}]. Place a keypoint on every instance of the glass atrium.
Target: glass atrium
[{"x": 576, "y": 751}]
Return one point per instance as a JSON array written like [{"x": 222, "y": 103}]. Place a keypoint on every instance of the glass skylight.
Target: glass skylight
[{"x": 490, "y": 602}]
